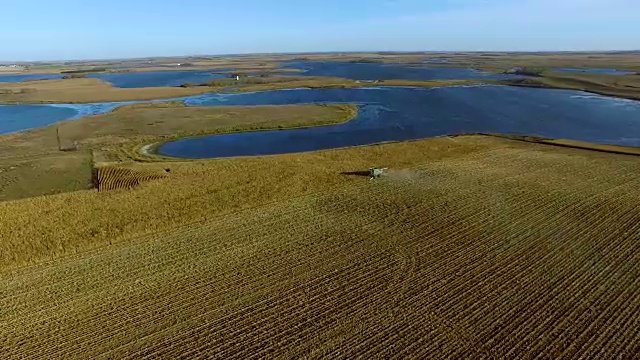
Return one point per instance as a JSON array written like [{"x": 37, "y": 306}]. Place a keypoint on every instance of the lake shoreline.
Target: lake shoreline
[
  {"x": 389, "y": 116},
  {"x": 591, "y": 91},
  {"x": 152, "y": 149},
  {"x": 352, "y": 111}
]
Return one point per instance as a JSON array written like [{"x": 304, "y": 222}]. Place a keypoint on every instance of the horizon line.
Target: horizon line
[{"x": 378, "y": 52}]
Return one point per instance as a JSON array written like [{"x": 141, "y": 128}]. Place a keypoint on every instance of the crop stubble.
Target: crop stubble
[
  {"x": 513, "y": 252},
  {"x": 112, "y": 178}
]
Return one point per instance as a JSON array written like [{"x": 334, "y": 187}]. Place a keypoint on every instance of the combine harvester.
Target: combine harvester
[{"x": 375, "y": 173}]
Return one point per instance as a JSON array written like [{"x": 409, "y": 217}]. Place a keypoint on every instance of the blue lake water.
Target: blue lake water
[
  {"x": 412, "y": 113},
  {"x": 375, "y": 71},
  {"x": 28, "y": 77},
  {"x": 387, "y": 114},
  {"x": 20, "y": 117},
  {"x": 594, "y": 71},
  {"x": 14, "y": 118},
  {"x": 157, "y": 78}
]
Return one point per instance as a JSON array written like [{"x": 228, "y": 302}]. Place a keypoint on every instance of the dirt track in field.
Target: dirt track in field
[{"x": 513, "y": 252}]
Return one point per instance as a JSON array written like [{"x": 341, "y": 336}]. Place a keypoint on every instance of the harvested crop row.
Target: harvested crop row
[{"x": 112, "y": 178}]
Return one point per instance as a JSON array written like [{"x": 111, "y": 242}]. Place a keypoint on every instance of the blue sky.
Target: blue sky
[{"x": 80, "y": 29}]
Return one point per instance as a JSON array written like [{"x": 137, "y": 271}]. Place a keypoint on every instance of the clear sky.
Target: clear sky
[{"x": 91, "y": 29}]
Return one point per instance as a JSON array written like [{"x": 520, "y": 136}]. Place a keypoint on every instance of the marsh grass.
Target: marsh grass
[
  {"x": 274, "y": 83},
  {"x": 623, "y": 86}
]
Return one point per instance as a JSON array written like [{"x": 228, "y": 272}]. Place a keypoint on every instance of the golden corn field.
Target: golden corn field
[
  {"x": 111, "y": 178},
  {"x": 512, "y": 253}
]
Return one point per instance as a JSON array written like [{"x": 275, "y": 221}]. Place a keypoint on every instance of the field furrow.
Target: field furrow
[{"x": 518, "y": 252}]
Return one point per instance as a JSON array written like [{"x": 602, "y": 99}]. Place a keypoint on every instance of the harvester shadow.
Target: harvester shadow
[{"x": 356, "y": 173}]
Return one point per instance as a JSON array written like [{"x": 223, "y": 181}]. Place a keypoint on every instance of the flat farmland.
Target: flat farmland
[{"x": 519, "y": 251}]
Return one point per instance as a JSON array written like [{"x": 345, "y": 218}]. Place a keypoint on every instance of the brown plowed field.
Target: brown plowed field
[{"x": 511, "y": 253}]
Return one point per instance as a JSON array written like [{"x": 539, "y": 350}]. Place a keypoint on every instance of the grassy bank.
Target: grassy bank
[
  {"x": 119, "y": 136},
  {"x": 613, "y": 149},
  {"x": 251, "y": 84},
  {"x": 352, "y": 84},
  {"x": 32, "y": 163},
  {"x": 623, "y": 86}
]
